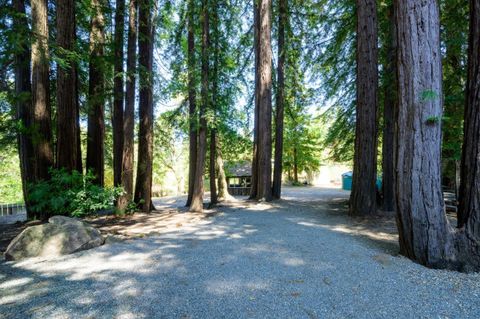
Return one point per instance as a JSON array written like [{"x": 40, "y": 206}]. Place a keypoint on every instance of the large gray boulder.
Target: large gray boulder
[{"x": 60, "y": 236}]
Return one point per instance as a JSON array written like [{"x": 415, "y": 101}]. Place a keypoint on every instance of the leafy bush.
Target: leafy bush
[{"x": 71, "y": 194}]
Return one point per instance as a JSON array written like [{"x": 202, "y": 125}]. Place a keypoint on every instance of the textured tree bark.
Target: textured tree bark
[
  {"x": 192, "y": 111},
  {"x": 264, "y": 149},
  {"x": 363, "y": 196},
  {"x": 118, "y": 93},
  {"x": 23, "y": 100},
  {"x": 143, "y": 187},
  {"x": 67, "y": 122},
  {"x": 470, "y": 167},
  {"x": 469, "y": 208},
  {"x": 96, "y": 88},
  {"x": 256, "y": 27},
  {"x": 129, "y": 115},
  {"x": 198, "y": 189},
  {"x": 40, "y": 91},
  {"x": 424, "y": 232},
  {"x": 390, "y": 106},
  {"x": 277, "y": 170}
]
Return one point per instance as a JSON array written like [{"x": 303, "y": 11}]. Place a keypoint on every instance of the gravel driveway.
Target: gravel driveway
[{"x": 295, "y": 258}]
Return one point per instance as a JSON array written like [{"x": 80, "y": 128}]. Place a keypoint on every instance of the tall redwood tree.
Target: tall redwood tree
[
  {"x": 40, "y": 90},
  {"x": 198, "y": 189},
  {"x": 363, "y": 196},
  {"x": 67, "y": 123},
  {"x": 262, "y": 166},
  {"x": 118, "y": 93},
  {"x": 129, "y": 113},
  {"x": 143, "y": 186},
  {"x": 96, "y": 90}
]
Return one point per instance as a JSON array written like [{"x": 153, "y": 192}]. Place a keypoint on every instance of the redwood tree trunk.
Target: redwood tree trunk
[
  {"x": 390, "y": 106},
  {"x": 469, "y": 208},
  {"x": 424, "y": 232},
  {"x": 96, "y": 118},
  {"x": 198, "y": 189},
  {"x": 277, "y": 171},
  {"x": 363, "y": 196},
  {"x": 67, "y": 122},
  {"x": 264, "y": 148},
  {"x": 470, "y": 168},
  {"x": 256, "y": 27},
  {"x": 23, "y": 99},
  {"x": 143, "y": 187},
  {"x": 129, "y": 115},
  {"x": 118, "y": 94},
  {"x": 193, "y": 130},
  {"x": 40, "y": 90}
]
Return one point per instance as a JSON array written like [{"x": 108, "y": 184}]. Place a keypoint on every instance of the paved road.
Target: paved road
[{"x": 296, "y": 258}]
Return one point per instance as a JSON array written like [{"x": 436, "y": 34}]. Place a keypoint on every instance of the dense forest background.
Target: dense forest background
[{"x": 319, "y": 73}]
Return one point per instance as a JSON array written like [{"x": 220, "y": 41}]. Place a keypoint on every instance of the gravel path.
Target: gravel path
[{"x": 296, "y": 258}]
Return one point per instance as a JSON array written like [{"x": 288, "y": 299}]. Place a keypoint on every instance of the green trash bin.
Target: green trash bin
[{"x": 347, "y": 181}]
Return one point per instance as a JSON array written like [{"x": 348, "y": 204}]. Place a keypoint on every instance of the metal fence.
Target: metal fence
[{"x": 12, "y": 209}]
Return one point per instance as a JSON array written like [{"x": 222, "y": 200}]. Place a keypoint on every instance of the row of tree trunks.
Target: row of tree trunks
[
  {"x": 118, "y": 93},
  {"x": 389, "y": 110},
  {"x": 23, "y": 99},
  {"x": 143, "y": 187},
  {"x": 264, "y": 147},
  {"x": 96, "y": 90},
  {"x": 67, "y": 113},
  {"x": 363, "y": 195},
  {"x": 198, "y": 188},
  {"x": 193, "y": 122},
  {"x": 280, "y": 103},
  {"x": 129, "y": 113},
  {"x": 40, "y": 90}
]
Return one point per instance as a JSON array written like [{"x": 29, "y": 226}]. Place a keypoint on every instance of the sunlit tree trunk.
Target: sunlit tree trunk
[
  {"x": 40, "y": 90},
  {"x": 193, "y": 116},
  {"x": 143, "y": 187},
  {"x": 67, "y": 122},
  {"x": 264, "y": 147},
  {"x": 277, "y": 171},
  {"x": 198, "y": 189},
  {"x": 129, "y": 114},
  {"x": 223, "y": 194},
  {"x": 118, "y": 93},
  {"x": 96, "y": 90},
  {"x": 23, "y": 99},
  {"x": 363, "y": 196}
]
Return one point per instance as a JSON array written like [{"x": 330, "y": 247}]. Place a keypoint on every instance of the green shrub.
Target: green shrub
[{"x": 71, "y": 194}]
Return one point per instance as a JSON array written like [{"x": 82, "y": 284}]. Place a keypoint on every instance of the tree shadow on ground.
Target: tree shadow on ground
[{"x": 282, "y": 259}]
